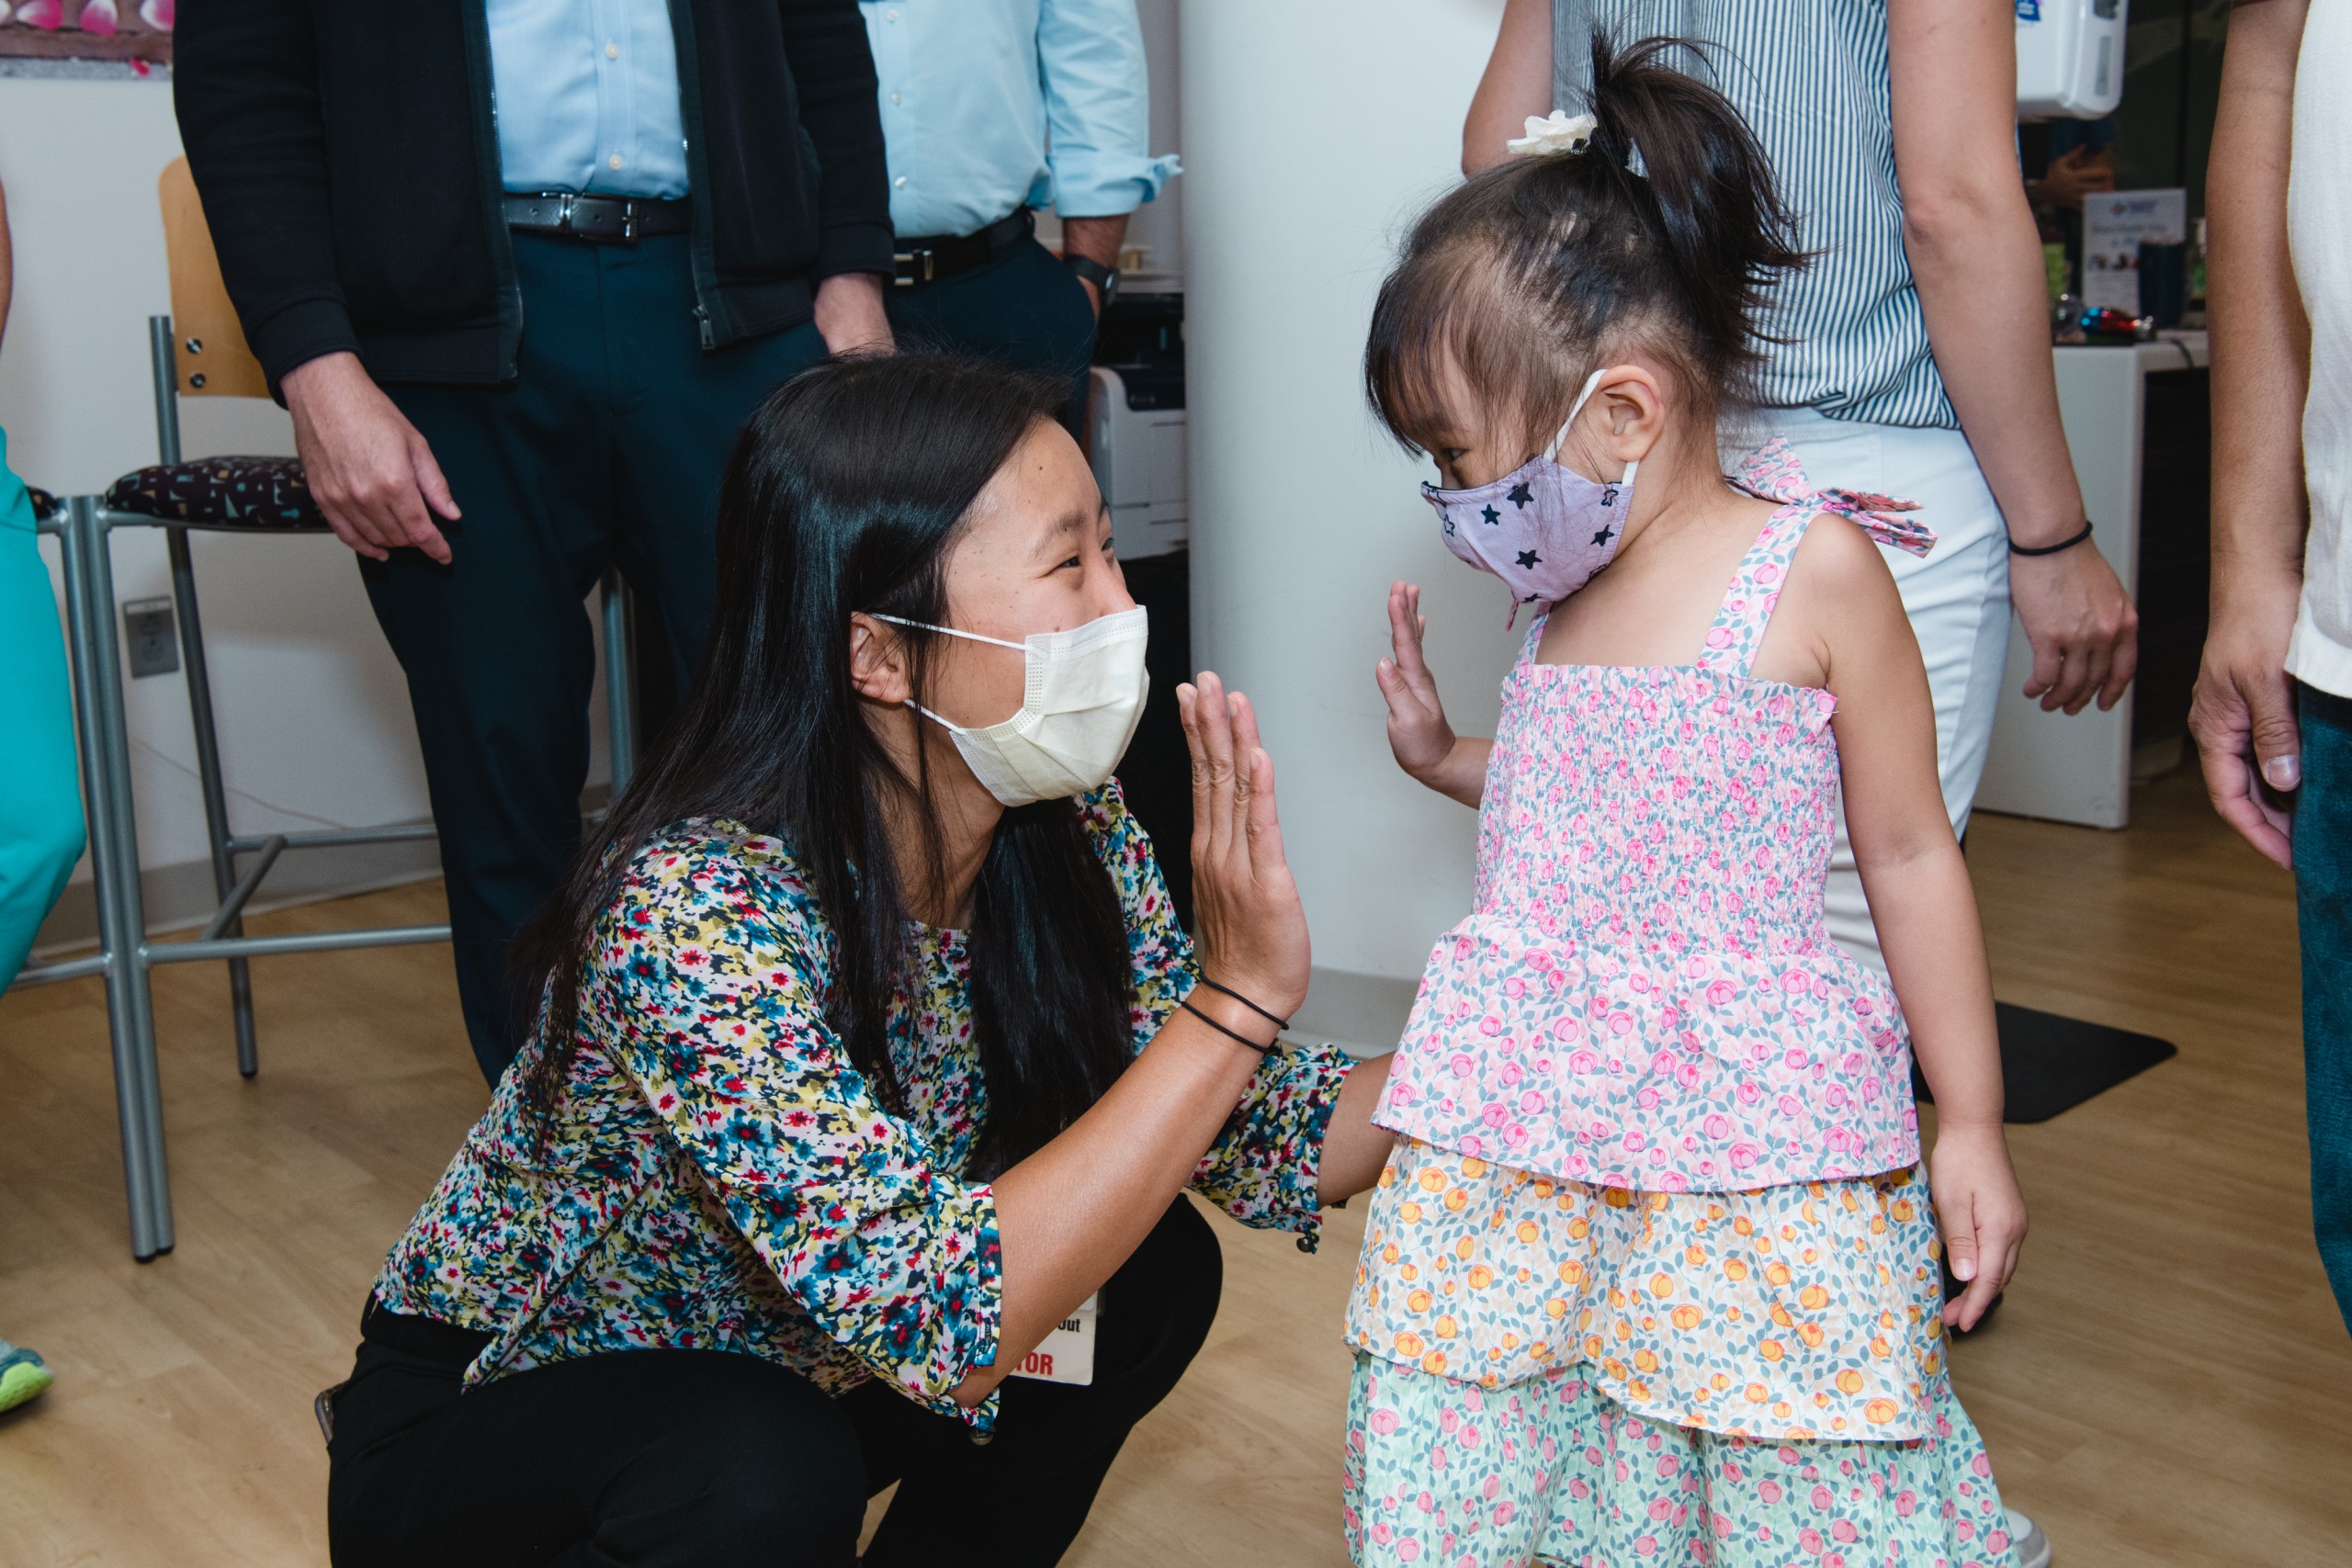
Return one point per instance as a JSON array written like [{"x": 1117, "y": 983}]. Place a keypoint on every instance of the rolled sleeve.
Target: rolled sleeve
[
  {"x": 1098, "y": 108},
  {"x": 1266, "y": 1167},
  {"x": 893, "y": 1257}
]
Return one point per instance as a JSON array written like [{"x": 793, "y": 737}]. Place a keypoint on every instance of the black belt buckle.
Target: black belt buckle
[
  {"x": 912, "y": 267},
  {"x": 597, "y": 218},
  {"x": 600, "y": 218}
]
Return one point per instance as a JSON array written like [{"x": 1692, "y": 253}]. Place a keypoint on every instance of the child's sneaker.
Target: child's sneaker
[
  {"x": 23, "y": 1375},
  {"x": 2026, "y": 1540}
]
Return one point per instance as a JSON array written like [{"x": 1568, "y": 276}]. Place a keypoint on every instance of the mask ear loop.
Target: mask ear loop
[
  {"x": 949, "y": 631},
  {"x": 949, "y": 725},
  {"x": 1583, "y": 398}
]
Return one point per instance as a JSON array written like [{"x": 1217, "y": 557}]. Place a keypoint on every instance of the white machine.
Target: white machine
[
  {"x": 2069, "y": 58},
  {"x": 1138, "y": 455},
  {"x": 2079, "y": 769}
]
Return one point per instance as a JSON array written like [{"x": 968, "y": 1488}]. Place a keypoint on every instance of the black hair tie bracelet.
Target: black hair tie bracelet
[
  {"x": 2017, "y": 550},
  {"x": 1229, "y": 1034},
  {"x": 1245, "y": 1001}
]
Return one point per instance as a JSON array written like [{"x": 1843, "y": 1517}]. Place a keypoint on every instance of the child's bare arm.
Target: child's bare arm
[
  {"x": 1920, "y": 898},
  {"x": 1425, "y": 744}
]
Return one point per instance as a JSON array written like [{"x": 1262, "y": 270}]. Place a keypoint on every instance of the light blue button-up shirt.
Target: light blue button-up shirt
[
  {"x": 587, "y": 97},
  {"x": 988, "y": 105}
]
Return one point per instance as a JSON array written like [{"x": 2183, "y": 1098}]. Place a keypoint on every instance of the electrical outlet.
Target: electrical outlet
[{"x": 154, "y": 639}]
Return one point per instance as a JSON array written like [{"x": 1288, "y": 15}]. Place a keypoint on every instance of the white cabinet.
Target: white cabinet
[{"x": 2047, "y": 764}]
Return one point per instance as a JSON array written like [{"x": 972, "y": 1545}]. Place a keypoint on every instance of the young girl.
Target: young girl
[{"x": 1652, "y": 1275}]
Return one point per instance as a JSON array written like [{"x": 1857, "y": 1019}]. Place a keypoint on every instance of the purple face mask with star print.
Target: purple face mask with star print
[{"x": 1543, "y": 528}]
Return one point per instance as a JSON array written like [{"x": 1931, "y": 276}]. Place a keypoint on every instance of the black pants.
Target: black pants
[
  {"x": 609, "y": 448},
  {"x": 667, "y": 1458},
  {"x": 1023, "y": 309}
]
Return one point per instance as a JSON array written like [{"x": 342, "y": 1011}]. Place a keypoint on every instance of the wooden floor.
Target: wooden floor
[{"x": 2168, "y": 1382}]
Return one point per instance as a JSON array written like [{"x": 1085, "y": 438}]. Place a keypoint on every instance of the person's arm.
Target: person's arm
[
  {"x": 2244, "y": 713},
  {"x": 2072, "y": 175},
  {"x": 1976, "y": 258},
  {"x": 1098, "y": 123},
  {"x": 1302, "y": 1136},
  {"x": 1098, "y": 239},
  {"x": 1919, "y": 895},
  {"x": 1423, "y": 742},
  {"x": 1070, "y": 1213},
  {"x": 1354, "y": 1150},
  {"x": 245, "y": 86},
  {"x": 1516, "y": 86},
  {"x": 833, "y": 76}
]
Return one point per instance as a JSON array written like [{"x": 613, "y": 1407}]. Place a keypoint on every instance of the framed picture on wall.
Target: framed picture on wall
[{"x": 136, "y": 33}]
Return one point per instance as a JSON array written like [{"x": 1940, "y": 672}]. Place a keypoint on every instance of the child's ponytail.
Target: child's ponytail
[
  {"x": 1719, "y": 212},
  {"x": 1666, "y": 230}
]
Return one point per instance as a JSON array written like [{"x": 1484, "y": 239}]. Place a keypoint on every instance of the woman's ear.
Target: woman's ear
[{"x": 878, "y": 661}]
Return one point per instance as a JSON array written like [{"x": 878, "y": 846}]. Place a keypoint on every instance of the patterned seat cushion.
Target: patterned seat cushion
[
  {"x": 261, "y": 493},
  {"x": 44, "y": 505}
]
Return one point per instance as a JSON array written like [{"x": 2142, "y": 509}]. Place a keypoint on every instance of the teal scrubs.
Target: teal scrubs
[{"x": 40, "y": 795}]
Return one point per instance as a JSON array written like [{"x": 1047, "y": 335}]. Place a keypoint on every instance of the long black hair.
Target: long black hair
[
  {"x": 844, "y": 494},
  {"x": 1525, "y": 277}
]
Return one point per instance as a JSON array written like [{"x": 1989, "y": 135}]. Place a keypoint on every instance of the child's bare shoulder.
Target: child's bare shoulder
[{"x": 1838, "y": 559}]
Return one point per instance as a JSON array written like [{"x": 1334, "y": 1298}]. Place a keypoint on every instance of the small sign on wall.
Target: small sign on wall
[{"x": 2115, "y": 225}]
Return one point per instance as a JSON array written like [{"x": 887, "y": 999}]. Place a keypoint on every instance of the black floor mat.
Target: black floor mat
[{"x": 2052, "y": 1064}]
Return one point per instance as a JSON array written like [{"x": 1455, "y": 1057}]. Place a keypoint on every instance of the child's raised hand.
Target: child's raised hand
[
  {"x": 1417, "y": 731},
  {"x": 1982, "y": 1217}
]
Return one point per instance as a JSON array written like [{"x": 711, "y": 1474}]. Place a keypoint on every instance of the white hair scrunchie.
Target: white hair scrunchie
[{"x": 1559, "y": 132}]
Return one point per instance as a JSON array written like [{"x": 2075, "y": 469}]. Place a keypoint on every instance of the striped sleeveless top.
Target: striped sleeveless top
[{"x": 1811, "y": 78}]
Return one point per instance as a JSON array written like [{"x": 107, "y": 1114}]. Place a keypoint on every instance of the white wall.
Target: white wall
[
  {"x": 313, "y": 712},
  {"x": 1159, "y": 225},
  {"x": 1315, "y": 129}
]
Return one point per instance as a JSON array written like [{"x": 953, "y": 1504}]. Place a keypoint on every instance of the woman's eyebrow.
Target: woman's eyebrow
[{"x": 1056, "y": 537}]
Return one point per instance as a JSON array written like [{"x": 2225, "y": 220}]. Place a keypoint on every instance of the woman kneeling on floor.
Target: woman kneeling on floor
[{"x": 869, "y": 1050}]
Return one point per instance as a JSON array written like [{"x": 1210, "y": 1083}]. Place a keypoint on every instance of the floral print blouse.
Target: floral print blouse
[{"x": 718, "y": 1176}]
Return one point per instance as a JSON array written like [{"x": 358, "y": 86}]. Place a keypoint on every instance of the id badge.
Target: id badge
[{"x": 1067, "y": 1355}]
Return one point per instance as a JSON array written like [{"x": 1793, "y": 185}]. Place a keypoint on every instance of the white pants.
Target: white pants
[{"x": 1957, "y": 597}]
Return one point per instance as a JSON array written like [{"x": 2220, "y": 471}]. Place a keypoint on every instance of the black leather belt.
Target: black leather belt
[
  {"x": 928, "y": 258},
  {"x": 600, "y": 218}
]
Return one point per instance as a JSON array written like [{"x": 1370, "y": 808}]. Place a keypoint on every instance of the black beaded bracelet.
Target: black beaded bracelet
[
  {"x": 1245, "y": 1001},
  {"x": 2017, "y": 550},
  {"x": 1231, "y": 1034}
]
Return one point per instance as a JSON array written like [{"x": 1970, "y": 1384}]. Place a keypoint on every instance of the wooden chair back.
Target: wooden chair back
[{"x": 208, "y": 346}]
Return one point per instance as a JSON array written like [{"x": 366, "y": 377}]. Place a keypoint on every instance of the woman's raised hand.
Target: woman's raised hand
[
  {"x": 1417, "y": 731},
  {"x": 1252, "y": 928}
]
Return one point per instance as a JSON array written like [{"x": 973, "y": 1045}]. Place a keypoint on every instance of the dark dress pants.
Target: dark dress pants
[
  {"x": 704, "y": 1458},
  {"x": 1023, "y": 309},
  {"x": 609, "y": 448}
]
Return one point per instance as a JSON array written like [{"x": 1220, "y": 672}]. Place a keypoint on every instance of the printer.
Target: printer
[{"x": 1135, "y": 416}]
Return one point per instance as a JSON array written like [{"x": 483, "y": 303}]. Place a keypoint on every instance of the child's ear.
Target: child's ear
[
  {"x": 1635, "y": 405},
  {"x": 877, "y": 662}
]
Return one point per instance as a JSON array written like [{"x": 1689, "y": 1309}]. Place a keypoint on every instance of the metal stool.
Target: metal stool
[{"x": 246, "y": 495}]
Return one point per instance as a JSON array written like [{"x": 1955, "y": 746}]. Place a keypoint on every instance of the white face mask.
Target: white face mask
[{"x": 1085, "y": 695}]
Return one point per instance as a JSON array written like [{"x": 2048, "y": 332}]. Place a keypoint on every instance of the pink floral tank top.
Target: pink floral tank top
[{"x": 1644, "y": 995}]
